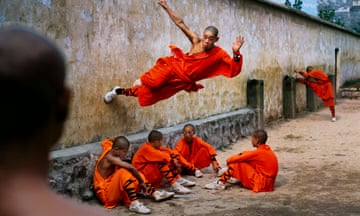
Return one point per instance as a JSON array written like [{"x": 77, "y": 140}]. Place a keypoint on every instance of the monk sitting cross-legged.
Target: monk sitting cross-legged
[
  {"x": 255, "y": 170},
  {"x": 181, "y": 71},
  {"x": 116, "y": 180},
  {"x": 195, "y": 153},
  {"x": 156, "y": 163}
]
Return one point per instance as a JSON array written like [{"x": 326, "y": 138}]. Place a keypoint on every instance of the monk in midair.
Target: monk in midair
[
  {"x": 254, "y": 169},
  {"x": 181, "y": 71},
  {"x": 195, "y": 153},
  {"x": 116, "y": 180},
  {"x": 321, "y": 85}
]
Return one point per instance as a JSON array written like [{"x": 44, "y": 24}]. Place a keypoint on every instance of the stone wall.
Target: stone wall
[
  {"x": 72, "y": 169},
  {"x": 111, "y": 43}
]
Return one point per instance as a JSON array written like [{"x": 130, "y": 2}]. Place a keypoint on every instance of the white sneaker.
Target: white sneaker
[
  {"x": 216, "y": 185},
  {"x": 138, "y": 207},
  {"x": 233, "y": 180},
  {"x": 109, "y": 96},
  {"x": 333, "y": 119},
  {"x": 178, "y": 188},
  {"x": 161, "y": 195},
  {"x": 221, "y": 171},
  {"x": 198, "y": 174},
  {"x": 185, "y": 182}
]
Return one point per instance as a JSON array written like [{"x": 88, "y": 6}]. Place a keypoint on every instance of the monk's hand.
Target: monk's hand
[
  {"x": 297, "y": 71},
  {"x": 239, "y": 41},
  {"x": 146, "y": 190},
  {"x": 163, "y": 4},
  {"x": 216, "y": 166}
]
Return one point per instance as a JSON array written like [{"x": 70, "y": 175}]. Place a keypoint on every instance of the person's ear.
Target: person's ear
[{"x": 62, "y": 107}]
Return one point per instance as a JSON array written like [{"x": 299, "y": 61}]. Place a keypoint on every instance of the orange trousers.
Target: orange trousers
[{"x": 122, "y": 186}]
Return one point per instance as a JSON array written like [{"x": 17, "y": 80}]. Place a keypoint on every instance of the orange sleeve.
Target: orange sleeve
[
  {"x": 243, "y": 156},
  {"x": 98, "y": 180},
  {"x": 147, "y": 153},
  {"x": 182, "y": 150},
  {"x": 202, "y": 144},
  {"x": 225, "y": 65},
  {"x": 317, "y": 74},
  {"x": 231, "y": 67}
]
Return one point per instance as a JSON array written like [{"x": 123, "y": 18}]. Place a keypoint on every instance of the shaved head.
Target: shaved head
[
  {"x": 32, "y": 76},
  {"x": 261, "y": 135},
  {"x": 309, "y": 68},
  {"x": 121, "y": 142},
  {"x": 213, "y": 30}
]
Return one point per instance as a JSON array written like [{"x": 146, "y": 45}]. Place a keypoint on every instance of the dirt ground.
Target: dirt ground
[{"x": 319, "y": 172}]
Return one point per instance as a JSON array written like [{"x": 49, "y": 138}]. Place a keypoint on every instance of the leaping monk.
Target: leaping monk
[{"x": 181, "y": 71}]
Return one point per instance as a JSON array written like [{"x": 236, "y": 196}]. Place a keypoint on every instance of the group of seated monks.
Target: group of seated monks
[{"x": 153, "y": 167}]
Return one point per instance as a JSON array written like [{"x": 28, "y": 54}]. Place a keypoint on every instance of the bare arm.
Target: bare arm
[
  {"x": 120, "y": 163},
  {"x": 179, "y": 22}
]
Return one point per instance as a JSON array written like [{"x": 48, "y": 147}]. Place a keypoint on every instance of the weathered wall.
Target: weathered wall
[{"x": 111, "y": 43}]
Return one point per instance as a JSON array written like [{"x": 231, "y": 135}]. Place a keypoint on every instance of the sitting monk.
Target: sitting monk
[
  {"x": 157, "y": 162},
  {"x": 116, "y": 180},
  {"x": 196, "y": 152},
  {"x": 256, "y": 169}
]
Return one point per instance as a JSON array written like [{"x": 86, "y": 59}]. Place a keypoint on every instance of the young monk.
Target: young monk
[
  {"x": 116, "y": 180},
  {"x": 32, "y": 64},
  {"x": 197, "y": 153},
  {"x": 256, "y": 169},
  {"x": 321, "y": 85},
  {"x": 181, "y": 71},
  {"x": 156, "y": 163}
]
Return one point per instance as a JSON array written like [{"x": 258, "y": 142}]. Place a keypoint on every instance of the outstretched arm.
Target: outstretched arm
[
  {"x": 305, "y": 74},
  {"x": 179, "y": 22}
]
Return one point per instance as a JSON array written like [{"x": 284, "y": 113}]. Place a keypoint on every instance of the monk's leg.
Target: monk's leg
[
  {"x": 157, "y": 75},
  {"x": 176, "y": 182},
  {"x": 123, "y": 187},
  {"x": 109, "y": 96},
  {"x": 243, "y": 172},
  {"x": 227, "y": 175},
  {"x": 202, "y": 159},
  {"x": 168, "y": 173},
  {"x": 332, "y": 110}
]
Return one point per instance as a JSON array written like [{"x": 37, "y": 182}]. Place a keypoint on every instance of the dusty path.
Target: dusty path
[{"x": 319, "y": 172}]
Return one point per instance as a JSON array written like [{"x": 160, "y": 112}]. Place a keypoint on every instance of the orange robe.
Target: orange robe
[
  {"x": 198, "y": 156},
  {"x": 155, "y": 164},
  {"x": 322, "y": 86},
  {"x": 180, "y": 71},
  {"x": 256, "y": 170},
  {"x": 112, "y": 190}
]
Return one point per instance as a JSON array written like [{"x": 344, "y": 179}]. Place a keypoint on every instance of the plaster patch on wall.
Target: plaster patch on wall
[
  {"x": 87, "y": 15},
  {"x": 68, "y": 49},
  {"x": 148, "y": 22},
  {"x": 47, "y": 3},
  {"x": 79, "y": 56}
]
